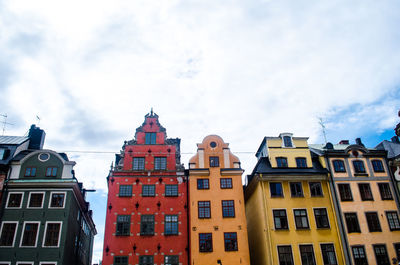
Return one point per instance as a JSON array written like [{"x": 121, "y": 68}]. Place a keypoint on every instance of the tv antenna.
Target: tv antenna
[
  {"x": 4, "y": 122},
  {"x": 321, "y": 122}
]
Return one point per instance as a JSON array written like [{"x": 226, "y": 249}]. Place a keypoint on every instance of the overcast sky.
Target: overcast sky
[{"x": 92, "y": 69}]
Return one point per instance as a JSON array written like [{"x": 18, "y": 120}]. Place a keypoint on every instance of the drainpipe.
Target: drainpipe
[
  {"x": 187, "y": 215},
  {"x": 336, "y": 204}
]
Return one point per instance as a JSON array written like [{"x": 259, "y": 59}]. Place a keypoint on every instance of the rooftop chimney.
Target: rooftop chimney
[
  {"x": 358, "y": 141},
  {"x": 36, "y": 137},
  {"x": 344, "y": 142}
]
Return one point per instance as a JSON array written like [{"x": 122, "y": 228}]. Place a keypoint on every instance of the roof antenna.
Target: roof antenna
[
  {"x": 5, "y": 123},
  {"x": 321, "y": 122}
]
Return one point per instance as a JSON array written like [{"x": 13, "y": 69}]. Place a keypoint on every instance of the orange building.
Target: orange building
[{"x": 218, "y": 230}]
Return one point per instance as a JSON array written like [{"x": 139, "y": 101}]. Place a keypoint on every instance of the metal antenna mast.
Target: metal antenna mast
[
  {"x": 321, "y": 122},
  {"x": 4, "y": 122}
]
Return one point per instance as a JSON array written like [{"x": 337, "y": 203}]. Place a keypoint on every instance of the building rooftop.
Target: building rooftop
[{"x": 13, "y": 140}]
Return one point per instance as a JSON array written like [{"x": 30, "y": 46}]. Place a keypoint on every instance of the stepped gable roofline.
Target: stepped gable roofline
[
  {"x": 146, "y": 117},
  {"x": 24, "y": 155},
  {"x": 220, "y": 146}
]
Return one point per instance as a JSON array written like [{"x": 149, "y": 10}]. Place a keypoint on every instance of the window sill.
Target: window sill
[
  {"x": 361, "y": 175},
  {"x": 323, "y": 228},
  {"x": 302, "y": 229}
]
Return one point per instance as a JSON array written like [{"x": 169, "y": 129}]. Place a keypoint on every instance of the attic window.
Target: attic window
[
  {"x": 2, "y": 153},
  {"x": 287, "y": 141},
  {"x": 44, "y": 157}
]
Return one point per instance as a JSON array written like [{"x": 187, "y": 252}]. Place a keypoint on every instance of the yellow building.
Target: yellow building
[
  {"x": 289, "y": 208},
  {"x": 218, "y": 231},
  {"x": 366, "y": 201}
]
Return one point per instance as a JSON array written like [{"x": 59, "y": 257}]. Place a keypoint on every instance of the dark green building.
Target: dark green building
[{"x": 45, "y": 219}]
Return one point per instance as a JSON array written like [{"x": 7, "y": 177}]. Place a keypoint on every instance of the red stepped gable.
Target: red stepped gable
[{"x": 146, "y": 221}]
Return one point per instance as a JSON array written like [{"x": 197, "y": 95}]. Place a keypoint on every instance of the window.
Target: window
[
  {"x": 281, "y": 162},
  {"x": 203, "y": 184},
  {"x": 315, "y": 189},
  {"x": 300, "y": 218},
  {"x": 57, "y": 200},
  {"x": 29, "y": 235},
  {"x": 171, "y": 190},
  {"x": 321, "y": 218},
  {"x": 377, "y": 166},
  {"x": 138, "y": 163},
  {"x": 384, "y": 190},
  {"x": 328, "y": 254},
  {"x": 287, "y": 141},
  {"x": 230, "y": 240},
  {"x": 52, "y": 234},
  {"x": 397, "y": 250},
  {"x": 285, "y": 255},
  {"x": 7, "y": 234},
  {"x": 296, "y": 189},
  {"x": 2, "y": 153},
  {"x": 359, "y": 255},
  {"x": 338, "y": 166},
  {"x": 352, "y": 222},
  {"x": 228, "y": 208},
  {"x": 171, "y": 260},
  {"x": 205, "y": 242},
  {"x": 301, "y": 162},
  {"x": 121, "y": 260},
  {"x": 51, "y": 172},
  {"x": 226, "y": 183},
  {"x": 125, "y": 191},
  {"x": 149, "y": 190},
  {"x": 280, "y": 219},
  {"x": 276, "y": 189},
  {"x": 365, "y": 192},
  {"x": 381, "y": 255},
  {"x": 150, "y": 138},
  {"x": 204, "y": 209},
  {"x": 147, "y": 225},
  {"x": 123, "y": 225},
  {"x": 35, "y": 200},
  {"x": 146, "y": 260},
  {"x": 373, "y": 222},
  {"x": 15, "y": 200},
  {"x": 30, "y": 172},
  {"x": 171, "y": 225},
  {"x": 160, "y": 163},
  {"x": 393, "y": 220},
  {"x": 307, "y": 255},
  {"x": 359, "y": 166},
  {"x": 214, "y": 161},
  {"x": 345, "y": 192}
]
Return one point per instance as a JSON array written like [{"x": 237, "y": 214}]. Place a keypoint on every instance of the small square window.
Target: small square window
[
  {"x": 125, "y": 191},
  {"x": 30, "y": 172},
  {"x": 359, "y": 166},
  {"x": 214, "y": 161},
  {"x": 123, "y": 225},
  {"x": 280, "y": 219},
  {"x": 228, "y": 208},
  {"x": 171, "y": 225},
  {"x": 301, "y": 219},
  {"x": 345, "y": 192},
  {"x": 276, "y": 189},
  {"x": 15, "y": 200},
  {"x": 204, "y": 209},
  {"x": 57, "y": 200},
  {"x": 287, "y": 141},
  {"x": 150, "y": 138},
  {"x": 365, "y": 192},
  {"x": 205, "y": 242},
  {"x": 393, "y": 220},
  {"x": 384, "y": 190},
  {"x": 281, "y": 162},
  {"x": 373, "y": 222},
  {"x": 147, "y": 225},
  {"x": 35, "y": 199},
  {"x": 296, "y": 189},
  {"x": 316, "y": 189},
  {"x": 226, "y": 183},
  {"x": 160, "y": 163},
  {"x": 338, "y": 166},
  {"x": 52, "y": 234},
  {"x": 171, "y": 190},
  {"x": 138, "y": 163},
  {"x": 230, "y": 241},
  {"x": 321, "y": 218},
  {"x": 203, "y": 184},
  {"x": 352, "y": 223},
  {"x": 51, "y": 172},
  {"x": 171, "y": 260},
  {"x": 301, "y": 162},
  {"x": 149, "y": 190},
  {"x": 378, "y": 166},
  {"x": 121, "y": 260}
]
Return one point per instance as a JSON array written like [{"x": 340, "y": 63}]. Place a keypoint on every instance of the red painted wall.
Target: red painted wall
[{"x": 158, "y": 244}]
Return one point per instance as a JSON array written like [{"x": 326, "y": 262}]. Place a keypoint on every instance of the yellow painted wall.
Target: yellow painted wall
[
  {"x": 275, "y": 150},
  {"x": 217, "y": 225}
]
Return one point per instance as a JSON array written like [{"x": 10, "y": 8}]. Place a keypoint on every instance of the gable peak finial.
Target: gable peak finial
[{"x": 151, "y": 112}]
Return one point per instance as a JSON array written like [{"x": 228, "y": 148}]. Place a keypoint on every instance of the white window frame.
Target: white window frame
[
  {"x": 59, "y": 234},
  {"x": 308, "y": 219},
  {"x": 334, "y": 249},
  {"x": 15, "y": 233},
  {"x": 283, "y": 141},
  {"x": 307, "y": 244},
  {"x": 48, "y": 262},
  {"x": 327, "y": 214},
  {"x": 51, "y": 195},
  {"x": 8, "y": 198},
  {"x": 29, "y": 199},
  {"x": 22, "y": 234},
  {"x": 24, "y": 262}
]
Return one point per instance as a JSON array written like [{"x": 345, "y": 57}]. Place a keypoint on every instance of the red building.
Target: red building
[{"x": 146, "y": 220}]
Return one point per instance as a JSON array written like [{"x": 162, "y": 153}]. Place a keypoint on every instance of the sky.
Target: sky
[{"x": 90, "y": 70}]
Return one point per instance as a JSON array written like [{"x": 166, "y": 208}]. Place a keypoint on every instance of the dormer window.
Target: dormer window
[
  {"x": 2, "y": 153},
  {"x": 30, "y": 172},
  {"x": 281, "y": 162},
  {"x": 150, "y": 138},
  {"x": 287, "y": 141}
]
